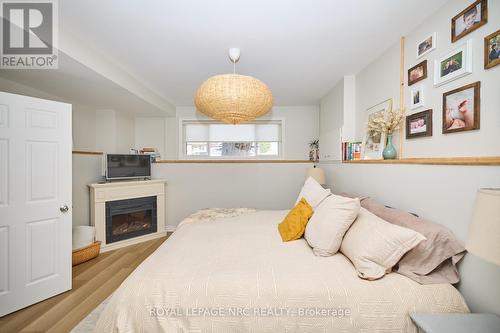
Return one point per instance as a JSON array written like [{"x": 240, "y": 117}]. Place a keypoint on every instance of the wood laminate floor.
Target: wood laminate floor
[{"x": 93, "y": 282}]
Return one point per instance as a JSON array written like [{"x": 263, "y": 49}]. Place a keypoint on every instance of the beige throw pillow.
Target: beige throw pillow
[
  {"x": 374, "y": 246},
  {"x": 431, "y": 261},
  {"x": 313, "y": 192},
  {"x": 329, "y": 223}
]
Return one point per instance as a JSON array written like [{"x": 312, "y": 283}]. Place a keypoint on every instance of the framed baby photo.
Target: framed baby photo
[
  {"x": 469, "y": 19},
  {"x": 417, "y": 73},
  {"x": 419, "y": 124},
  {"x": 427, "y": 45},
  {"x": 492, "y": 50},
  {"x": 461, "y": 108},
  {"x": 454, "y": 64},
  {"x": 416, "y": 97}
]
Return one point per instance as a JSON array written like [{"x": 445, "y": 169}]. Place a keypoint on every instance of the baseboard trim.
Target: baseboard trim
[{"x": 170, "y": 228}]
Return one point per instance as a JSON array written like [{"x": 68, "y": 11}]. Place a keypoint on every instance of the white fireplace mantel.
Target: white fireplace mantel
[{"x": 100, "y": 193}]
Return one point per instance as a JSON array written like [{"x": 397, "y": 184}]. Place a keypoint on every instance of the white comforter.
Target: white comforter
[{"x": 234, "y": 274}]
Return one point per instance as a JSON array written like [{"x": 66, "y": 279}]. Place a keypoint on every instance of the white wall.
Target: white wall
[
  {"x": 376, "y": 83},
  {"x": 485, "y": 141},
  {"x": 105, "y": 131},
  {"x": 331, "y": 120},
  {"x": 125, "y": 132},
  {"x": 84, "y": 128},
  {"x": 86, "y": 170},
  {"x": 115, "y": 131},
  {"x": 301, "y": 127},
  {"x": 193, "y": 186},
  {"x": 380, "y": 80},
  {"x": 171, "y": 137},
  {"x": 151, "y": 132},
  {"x": 337, "y": 118}
]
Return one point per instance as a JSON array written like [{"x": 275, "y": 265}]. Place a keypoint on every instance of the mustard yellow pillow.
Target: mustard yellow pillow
[{"x": 294, "y": 224}]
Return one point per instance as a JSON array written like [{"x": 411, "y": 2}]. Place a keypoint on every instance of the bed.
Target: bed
[{"x": 229, "y": 271}]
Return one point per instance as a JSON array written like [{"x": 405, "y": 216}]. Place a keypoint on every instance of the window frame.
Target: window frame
[{"x": 182, "y": 146}]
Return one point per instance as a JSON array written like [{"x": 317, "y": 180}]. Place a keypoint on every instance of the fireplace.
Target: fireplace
[{"x": 130, "y": 218}]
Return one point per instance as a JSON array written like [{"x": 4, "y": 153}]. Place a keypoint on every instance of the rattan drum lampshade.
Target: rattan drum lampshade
[{"x": 233, "y": 98}]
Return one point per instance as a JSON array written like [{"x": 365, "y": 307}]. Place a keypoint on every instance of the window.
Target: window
[{"x": 211, "y": 140}]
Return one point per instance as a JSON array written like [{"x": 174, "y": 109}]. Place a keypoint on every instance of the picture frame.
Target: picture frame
[
  {"x": 461, "y": 108},
  {"x": 373, "y": 144},
  {"x": 492, "y": 50},
  {"x": 469, "y": 19},
  {"x": 417, "y": 73},
  {"x": 417, "y": 98},
  {"x": 427, "y": 45},
  {"x": 419, "y": 124},
  {"x": 454, "y": 64}
]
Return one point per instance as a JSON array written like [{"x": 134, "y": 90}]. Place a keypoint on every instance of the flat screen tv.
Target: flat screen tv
[{"x": 123, "y": 166}]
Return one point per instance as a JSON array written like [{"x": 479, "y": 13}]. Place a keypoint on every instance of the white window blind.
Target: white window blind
[
  {"x": 208, "y": 139},
  {"x": 231, "y": 133},
  {"x": 268, "y": 132},
  {"x": 196, "y": 132}
]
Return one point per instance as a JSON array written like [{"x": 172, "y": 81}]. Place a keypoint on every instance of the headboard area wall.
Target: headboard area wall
[{"x": 441, "y": 193}]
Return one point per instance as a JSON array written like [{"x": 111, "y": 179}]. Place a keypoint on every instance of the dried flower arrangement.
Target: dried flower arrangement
[{"x": 386, "y": 122}]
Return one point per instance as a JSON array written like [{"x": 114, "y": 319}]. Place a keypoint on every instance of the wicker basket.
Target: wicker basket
[{"x": 86, "y": 253}]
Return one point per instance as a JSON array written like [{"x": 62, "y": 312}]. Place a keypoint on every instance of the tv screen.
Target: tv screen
[{"x": 128, "y": 166}]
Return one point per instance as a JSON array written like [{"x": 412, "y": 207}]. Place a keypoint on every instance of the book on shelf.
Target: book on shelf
[
  {"x": 153, "y": 152},
  {"x": 351, "y": 151}
]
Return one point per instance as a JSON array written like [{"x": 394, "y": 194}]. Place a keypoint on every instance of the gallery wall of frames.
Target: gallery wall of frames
[{"x": 453, "y": 82}]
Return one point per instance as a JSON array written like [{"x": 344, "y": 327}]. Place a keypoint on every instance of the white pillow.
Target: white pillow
[
  {"x": 374, "y": 246},
  {"x": 329, "y": 223},
  {"x": 313, "y": 192}
]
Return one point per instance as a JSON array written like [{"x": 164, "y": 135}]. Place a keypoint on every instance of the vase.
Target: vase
[{"x": 389, "y": 152}]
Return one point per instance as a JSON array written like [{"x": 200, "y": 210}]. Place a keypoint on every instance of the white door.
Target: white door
[{"x": 35, "y": 189}]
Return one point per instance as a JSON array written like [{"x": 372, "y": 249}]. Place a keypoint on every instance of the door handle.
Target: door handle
[{"x": 64, "y": 208}]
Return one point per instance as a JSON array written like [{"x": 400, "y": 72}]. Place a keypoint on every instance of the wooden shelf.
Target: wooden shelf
[
  {"x": 480, "y": 160},
  {"x": 232, "y": 161},
  {"x": 83, "y": 152}
]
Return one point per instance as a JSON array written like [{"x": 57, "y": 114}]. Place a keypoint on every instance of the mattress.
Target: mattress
[{"x": 232, "y": 273}]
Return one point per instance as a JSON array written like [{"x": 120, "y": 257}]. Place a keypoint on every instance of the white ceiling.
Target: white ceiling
[
  {"x": 76, "y": 83},
  {"x": 300, "y": 48}
]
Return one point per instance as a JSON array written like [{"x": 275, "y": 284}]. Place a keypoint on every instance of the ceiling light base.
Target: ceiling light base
[{"x": 234, "y": 54}]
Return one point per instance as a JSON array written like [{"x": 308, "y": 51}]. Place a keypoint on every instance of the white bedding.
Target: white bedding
[{"x": 238, "y": 265}]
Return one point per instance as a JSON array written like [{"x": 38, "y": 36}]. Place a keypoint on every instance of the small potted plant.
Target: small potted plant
[{"x": 314, "y": 151}]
